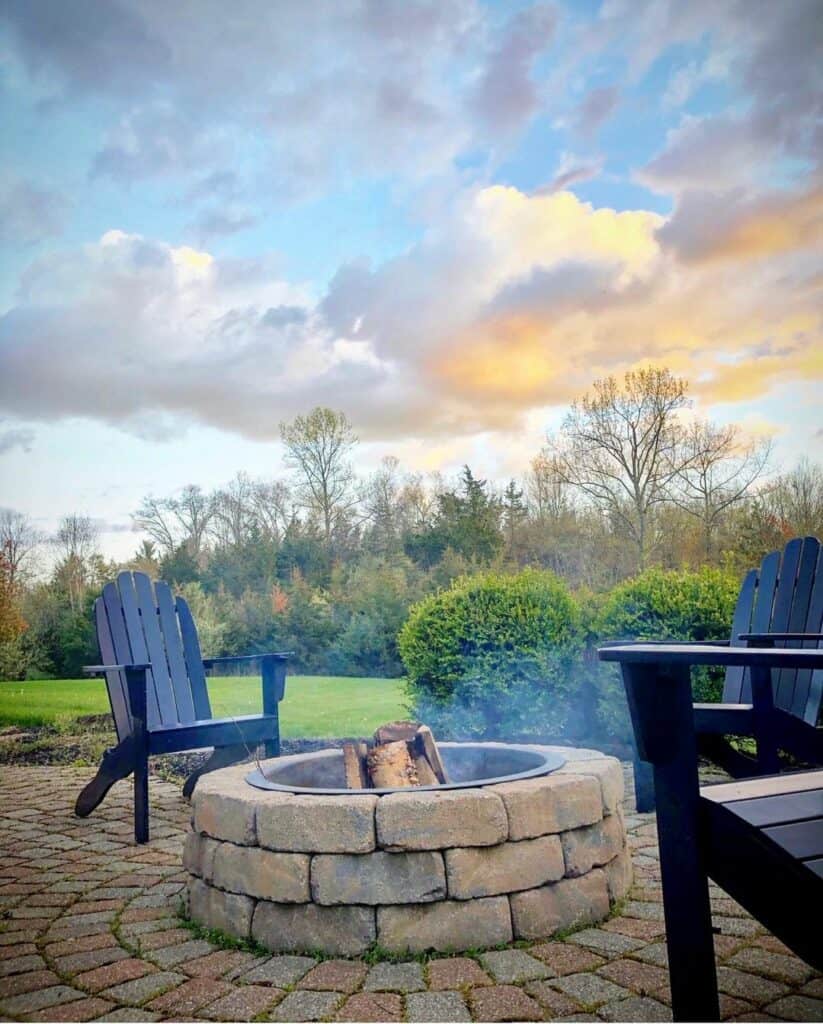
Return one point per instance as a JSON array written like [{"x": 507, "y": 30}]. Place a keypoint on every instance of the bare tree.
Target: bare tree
[
  {"x": 547, "y": 490},
  {"x": 77, "y": 541},
  {"x": 620, "y": 447},
  {"x": 796, "y": 498},
  {"x": 717, "y": 471},
  {"x": 317, "y": 447},
  {"x": 273, "y": 508},
  {"x": 171, "y": 522},
  {"x": 233, "y": 518},
  {"x": 156, "y": 518},
  {"x": 19, "y": 541}
]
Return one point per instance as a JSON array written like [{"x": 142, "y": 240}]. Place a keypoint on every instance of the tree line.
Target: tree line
[{"x": 327, "y": 562}]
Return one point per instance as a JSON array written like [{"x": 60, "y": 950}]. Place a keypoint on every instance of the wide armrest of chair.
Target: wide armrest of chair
[
  {"x": 770, "y": 638},
  {"x": 240, "y": 658},
  {"x": 649, "y": 643},
  {"x": 99, "y": 670}
]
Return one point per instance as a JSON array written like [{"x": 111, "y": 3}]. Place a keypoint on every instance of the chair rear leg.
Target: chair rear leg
[
  {"x": 117, "y": 763},
  {"x": 220, "y": 757}
]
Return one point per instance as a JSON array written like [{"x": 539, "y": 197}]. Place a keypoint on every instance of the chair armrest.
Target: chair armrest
[
  {"x": 768, "y": 639},
  {"x": 239, "y": 658},
  {"x": 649, "y": 643},
  {"x": 99, "y": 670}
]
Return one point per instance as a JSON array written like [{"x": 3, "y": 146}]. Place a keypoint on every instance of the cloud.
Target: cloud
[
  {"x": 511, "y": 304},
  {"x": 572, "y": 170},
  {"x": 29, "y": 214},
  {"x": 771, "y": 61},
  {"x": 327, "y": 91},
  {"x": 595, "y": 109},
  {"x": 736, "y": 226},
  {"x": 16, "y": 437},
  {"x": 506, "y": 95},
  {"x": 214, "y": 223}
]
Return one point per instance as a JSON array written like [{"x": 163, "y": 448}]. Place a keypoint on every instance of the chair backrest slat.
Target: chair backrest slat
[
  {"x": 763, "y": 608},
  {"x": 115, "y": 681},
  {"x": 194, "y": 660},
  {"x": 785, "y": 681},
  {"x": 147, "y": 607},
  {"x": 741, "y": 623},
  {"x": 129, "y": 645},
  {"x": 157, "y": 707},
  {"x": 170, "y": 628},
  {"x": 808, "y": 687}
]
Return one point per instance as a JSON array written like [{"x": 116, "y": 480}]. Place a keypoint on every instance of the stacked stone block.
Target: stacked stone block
[{"x": 448, "y": 870}]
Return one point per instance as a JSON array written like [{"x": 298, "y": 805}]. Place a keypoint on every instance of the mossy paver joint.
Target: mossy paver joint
[{"x": 91, "y": 932}]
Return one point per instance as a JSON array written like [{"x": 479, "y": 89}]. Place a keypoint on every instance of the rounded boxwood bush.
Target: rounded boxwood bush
[
  {"x": 664, "y": 605},
  {"x": 495, "y": 656}
]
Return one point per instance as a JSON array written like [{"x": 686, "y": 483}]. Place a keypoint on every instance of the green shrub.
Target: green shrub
[
  {"x": 659, "y": 605},
  {"x": 494, "y": 656}
]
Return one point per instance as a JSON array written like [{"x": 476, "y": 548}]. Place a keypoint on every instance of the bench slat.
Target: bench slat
[
  {"x": 801, "y": 839},
  {"x": 780, "y": 810}
]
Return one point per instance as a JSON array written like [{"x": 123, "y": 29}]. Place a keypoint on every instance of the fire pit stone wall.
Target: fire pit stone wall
[{"x": 412, "y": 870}]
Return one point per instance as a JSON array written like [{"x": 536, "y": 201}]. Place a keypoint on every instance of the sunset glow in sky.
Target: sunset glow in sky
[{"x": 445, "y": 218}]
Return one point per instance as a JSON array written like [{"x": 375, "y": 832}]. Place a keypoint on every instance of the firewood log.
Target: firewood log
[
  {"x": 391, "y": 732},
  {"x": 425, "y": 772},
  {"x": 390, "y": 766},
  {"x": 354, "y": 766},
  {"x": 425, "y": 744}
]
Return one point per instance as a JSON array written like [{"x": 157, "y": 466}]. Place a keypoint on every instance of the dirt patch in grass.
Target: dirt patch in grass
[{"x": 82, "y": 742}]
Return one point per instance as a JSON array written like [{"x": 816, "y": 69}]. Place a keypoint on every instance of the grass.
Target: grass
[{"x": 313, "y": 706}]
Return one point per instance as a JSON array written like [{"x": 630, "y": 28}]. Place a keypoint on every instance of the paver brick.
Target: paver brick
[
  {"x": 305, "y": 1006},
  {"x": 608, "y": 943},
  {"x": 790, "y": 969},
  {"x": 171, "y": 956},
  {"x": 112, "y": 974},
  {"x": 456, "y": 972},
  {"x": 748, "y": 986},
  {"x": 335, "y": 976},
  {"x": 40, "y": 999},
  {"x": 79, "y": 1010},
  {"x": 371, "y": 1006},
  {"x": 165, "y": 937},
  {"x": 280, "y": 971},
  {"x": 140, "y": 990},
  {"x": 556, "y": 1002},
  {"x": 510, "y": 966},
  {"x": 797, "y": 1007},
  {"x": 590, "y": 989},
  {"x": 564, "y": 959},
  {"x": 219, "y": 963},
  {"x": 503, "y": 1002},
  {"x": 436, "y": 1006},
  {"x": 635, "y": 1008},
  {"x": 18, "y": 984},
  {"x": 388, "y": 977},
  {"x": 640, "y": 977},
  {"x": 186, "y": 999},
  {"x": 130, "y": 1013},
  {"x": 242, "y": 1003}
]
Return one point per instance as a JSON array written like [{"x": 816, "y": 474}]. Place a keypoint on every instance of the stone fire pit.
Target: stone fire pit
[{"x": 447, "y": 869}]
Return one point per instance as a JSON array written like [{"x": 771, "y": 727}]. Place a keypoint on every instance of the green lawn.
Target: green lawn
[{"x": 313, "y": 706}]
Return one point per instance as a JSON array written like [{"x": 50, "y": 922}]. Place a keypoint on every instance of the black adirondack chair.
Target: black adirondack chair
[
  {"x": 156, "y": 678},
  {"x": 760, "y": 839},
  {"x": 780, "y": 604}
]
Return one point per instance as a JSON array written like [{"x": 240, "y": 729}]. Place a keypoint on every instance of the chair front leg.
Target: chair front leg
[{"x": 136, "y": 681}]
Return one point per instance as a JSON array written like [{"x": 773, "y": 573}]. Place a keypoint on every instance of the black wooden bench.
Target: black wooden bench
[
  {"x": 760, "y": 839},
  {"x": 156, "y": 680}
]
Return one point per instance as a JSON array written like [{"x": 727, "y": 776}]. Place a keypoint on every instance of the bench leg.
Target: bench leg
[
  {"x": 220, "y": 757},
  {"x": 117, "y": 763},
  {"x": 660, "y": 701}
]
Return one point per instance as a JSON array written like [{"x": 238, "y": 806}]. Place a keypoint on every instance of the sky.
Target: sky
[{"x": 445, "y": 218}]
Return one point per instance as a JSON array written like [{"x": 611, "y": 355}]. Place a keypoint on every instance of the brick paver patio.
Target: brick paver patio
[{"x": 90, "y": 931}]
